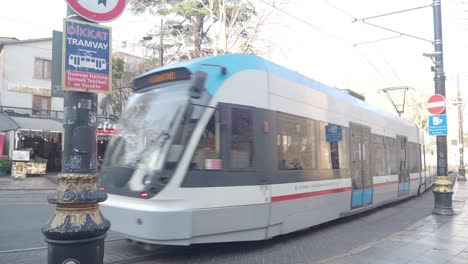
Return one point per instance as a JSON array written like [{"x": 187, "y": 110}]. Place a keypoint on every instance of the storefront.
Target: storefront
[
  {"x": 105, "y": 131},
  {"x": 44, "y": 146}
]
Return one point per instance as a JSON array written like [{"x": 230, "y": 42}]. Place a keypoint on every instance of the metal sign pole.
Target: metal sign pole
[
  {"x": 75, "y": 233},
  {"x": 442, "y": 188}
]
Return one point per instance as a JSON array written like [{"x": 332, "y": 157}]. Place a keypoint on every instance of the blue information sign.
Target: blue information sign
[
  {"x": 86, "y": 57},
  {"x": 333, "y": 133},
  {"x": 438, "y": 125}
]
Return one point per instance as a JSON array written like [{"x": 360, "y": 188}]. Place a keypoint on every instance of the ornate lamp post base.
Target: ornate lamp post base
[
  {"x": 443, "y": 196},
  {"x": 76, "y": 231}
]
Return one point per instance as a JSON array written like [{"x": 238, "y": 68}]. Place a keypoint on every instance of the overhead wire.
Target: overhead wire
[
  {"x": 339, "y": 9},
  {"x": 316, "y": 28},
  {"x": 351, "y": 16}
]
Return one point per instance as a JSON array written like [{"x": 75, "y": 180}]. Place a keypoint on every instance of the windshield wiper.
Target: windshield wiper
[{"x": 164, "y": 135}]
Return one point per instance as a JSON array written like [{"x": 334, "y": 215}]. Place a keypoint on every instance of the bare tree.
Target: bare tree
[{"x": 196, "y": 28}]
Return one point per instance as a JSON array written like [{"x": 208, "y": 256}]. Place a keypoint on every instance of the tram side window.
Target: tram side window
[
  {"x": 242, "y": 141},
  {"x": 378, "y": 156},
  {"x": 333, "y": 149},
  {"x": 343, "y": 146},
  {"x": 390, "y": 157},
  {"x": 324, "y": 148},
  {"x": 207, "y": 156},
  {"x": 413, "y": 158},
  {"x": 295, "y": 142}
]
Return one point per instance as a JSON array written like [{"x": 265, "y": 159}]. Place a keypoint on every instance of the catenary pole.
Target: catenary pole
[
  {"x": 161, "y": 44},
  {"x": 442, "y": 188},
  {"x": 461, "y": 145},
  {"x": 75, "y": 233}
]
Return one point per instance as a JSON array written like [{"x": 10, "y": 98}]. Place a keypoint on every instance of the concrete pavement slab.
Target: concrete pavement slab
[{"x": 432, "y": 240}]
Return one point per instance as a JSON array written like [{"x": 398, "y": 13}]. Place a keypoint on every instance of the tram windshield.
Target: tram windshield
[{"x": 148, "y": 126}]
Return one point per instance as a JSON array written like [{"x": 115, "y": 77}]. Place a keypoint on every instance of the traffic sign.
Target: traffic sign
[
  {"x": 436, "y": 104},
  {"x": 98, "y": 10},
  {"x": 438, "y": 125},
  {"x": 86, "y": 57}
]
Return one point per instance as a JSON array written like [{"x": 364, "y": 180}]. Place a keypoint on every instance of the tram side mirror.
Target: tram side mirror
[{"x": 197, "y": 83}]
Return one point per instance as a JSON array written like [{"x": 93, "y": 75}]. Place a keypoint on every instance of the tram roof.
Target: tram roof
[{"x": 235, "y": 63}]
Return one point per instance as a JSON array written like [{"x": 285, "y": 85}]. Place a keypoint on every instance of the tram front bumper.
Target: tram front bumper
[{"x": 149, "y": 221}]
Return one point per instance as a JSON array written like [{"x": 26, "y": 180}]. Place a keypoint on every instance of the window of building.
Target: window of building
[
  {"x": 43, "y": 69},
  {"x": 41, "y": 105},
  {"x": 208, "y": 153},
  {"x": 242, "y": 139},
  {"x": 295, "y": 142}
]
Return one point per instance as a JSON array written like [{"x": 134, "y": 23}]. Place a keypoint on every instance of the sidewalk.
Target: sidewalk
[
  {"x": 432, "y": 240},
  {"x": 45, "y": 182}
]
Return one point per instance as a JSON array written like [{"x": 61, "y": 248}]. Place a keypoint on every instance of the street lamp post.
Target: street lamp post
[
  {"x": 442, "y": 188},
  {"x": 76, "y": 231}
]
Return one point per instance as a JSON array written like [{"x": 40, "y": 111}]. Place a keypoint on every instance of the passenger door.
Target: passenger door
[{"x": 360, "y": 166}]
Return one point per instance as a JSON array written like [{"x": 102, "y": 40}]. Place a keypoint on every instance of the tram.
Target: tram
[
  {"x": 79, "y": 61},
  {"x": 237, "y": 148}
]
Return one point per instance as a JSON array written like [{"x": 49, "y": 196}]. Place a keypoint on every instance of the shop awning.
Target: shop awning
[
  {"x": 7, "y": 123},
  {"x": 38, "y": 124}
]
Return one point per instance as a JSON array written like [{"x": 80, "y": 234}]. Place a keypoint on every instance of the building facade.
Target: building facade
[{"x": 31, "y": 117}]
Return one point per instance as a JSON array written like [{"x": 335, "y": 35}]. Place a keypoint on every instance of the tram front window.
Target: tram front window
[{"x": 150, "y": 120}]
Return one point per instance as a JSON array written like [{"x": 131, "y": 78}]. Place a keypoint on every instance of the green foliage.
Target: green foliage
[
  {"x": 38, "y": 160},
  {"x": 122, "y": 78},
  {"x": 118, "y": 67},
  {"x": 5, "y": 164}
]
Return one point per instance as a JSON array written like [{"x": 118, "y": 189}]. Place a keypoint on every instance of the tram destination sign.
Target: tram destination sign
[
  {"x": 86, "y": 57},
  {"x": 161, "y": 77}
]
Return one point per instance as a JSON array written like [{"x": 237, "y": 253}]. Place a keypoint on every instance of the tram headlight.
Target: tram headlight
[{"x": 147, "y": 180}]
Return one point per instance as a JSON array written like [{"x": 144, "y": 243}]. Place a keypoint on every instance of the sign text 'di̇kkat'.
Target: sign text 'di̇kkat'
[{"x": 87, "y": 57}]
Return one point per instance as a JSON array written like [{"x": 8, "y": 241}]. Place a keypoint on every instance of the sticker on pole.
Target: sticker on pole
[
  {"x": 98, "y": 10},
  {"x": 436, "y": 104},
  {"x": 86, "y": 57},
  {"x": 438, "y": 125}
]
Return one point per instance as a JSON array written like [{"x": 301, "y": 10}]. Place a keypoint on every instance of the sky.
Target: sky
[{"x": 313, "y": 37}]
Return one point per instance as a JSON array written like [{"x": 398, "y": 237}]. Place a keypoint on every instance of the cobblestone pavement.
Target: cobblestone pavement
[{"x": 406, "y": 232}]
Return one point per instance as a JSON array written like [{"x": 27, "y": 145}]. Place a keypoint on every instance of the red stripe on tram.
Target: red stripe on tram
[
  {"x": 308, "y": 194},
  {"x": 385, "y": 183}
]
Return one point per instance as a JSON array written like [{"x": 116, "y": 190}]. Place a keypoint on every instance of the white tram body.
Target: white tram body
[{"x": 259, "y": 152}]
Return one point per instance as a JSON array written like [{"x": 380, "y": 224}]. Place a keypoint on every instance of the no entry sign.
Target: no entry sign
[
  {"x": 98, "y": 10},
  {"x": 436, "y": 104}
]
